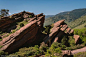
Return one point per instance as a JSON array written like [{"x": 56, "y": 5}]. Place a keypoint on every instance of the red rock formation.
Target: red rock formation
[
  {"x": 5, "y": 22},
  {"x": 62, "y": 29},
  {"x": 56, "y": 39},
  {"x": 76, "y": 37},
  {"x": 68, "y": 30},
  {"x": 24, "y": 34},
  {"x": 67, "y": 52},
  {"x": 72, "y": 31}
]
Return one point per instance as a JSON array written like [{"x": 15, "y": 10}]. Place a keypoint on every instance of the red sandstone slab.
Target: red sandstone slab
[
  {"x": 68, "y": 52},
  {"x": 40, "y": 18},
  {"x": 55, "y": 31},
  {"x": 72, "y": 31},
  {"x": 68, "y": 30},
  {"x": 64, "y": 28},
  {"x": 56, "y": 39},
  {"x": 59, "y": 23},
  {"x": 40, "y": 15},
  {"x": 14, "y": 35}
]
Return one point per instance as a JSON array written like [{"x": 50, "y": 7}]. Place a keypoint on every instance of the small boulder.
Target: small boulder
[{"x": 76, "y": 37}]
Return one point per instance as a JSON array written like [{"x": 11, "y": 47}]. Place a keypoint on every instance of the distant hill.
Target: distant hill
[
  {"x": 78, "y": 22},
  {"x": 62, "y": 13},
  {"x": 69, "y": 16},
  {"x": 47, "y": 16}
]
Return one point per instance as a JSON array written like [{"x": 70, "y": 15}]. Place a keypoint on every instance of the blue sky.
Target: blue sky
[{"x": 48, "y": 7}]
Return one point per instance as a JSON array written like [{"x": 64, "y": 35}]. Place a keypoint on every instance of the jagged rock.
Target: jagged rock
[
  {"x": 64, "y": 28},
  {"x": 55, "y": 31},
  {"x": 67, "y": 52},
  {"x": 40, "y": 15},
  {"x": 56, "y": 39},
  {"x": 77, "y": 38},
  {"x": 26, "y": 15},
  {"x": 68, "y": 30},
  {"x": 24, "y": 34},
  {"x": 72, "y": 31},
  {"x": 59, "y": 23}
]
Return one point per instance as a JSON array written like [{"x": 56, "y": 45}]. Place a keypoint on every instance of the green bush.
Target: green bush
[
  {"x": 0, "y": 39},
  {"x": 1, "y": 52},
  {"x": 1, "y": 46},
  {"x": 68, "y": 48},
  {"x": 30, "y": 16},
  {"x": 82, "y": 34},
  {"x": 71, "y": 41},
  {"x": 43, "y": 46},
  {"x": 54, "y": 50},
  {"x": 31, "y": 51},
  {"x": 64, "y": 40},
  {"x": 21, "y": 24}
]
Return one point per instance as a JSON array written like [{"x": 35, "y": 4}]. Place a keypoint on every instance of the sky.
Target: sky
[{"x": 48, "y": 7}]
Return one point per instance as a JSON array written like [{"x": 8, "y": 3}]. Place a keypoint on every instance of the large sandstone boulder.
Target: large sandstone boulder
[{"x": 24, "y": 34}]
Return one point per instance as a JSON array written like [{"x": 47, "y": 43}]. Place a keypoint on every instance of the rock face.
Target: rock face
[
  {"x": 30, "y": 31},
  {"x": 59, "y": 29},
  {"x": 24, "y": 34},
  {"x": 5, "y": 22},
  {"x": 68, "y": 52}
]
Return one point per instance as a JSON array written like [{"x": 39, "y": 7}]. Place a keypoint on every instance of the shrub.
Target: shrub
[
  {"x": 58, "y": 50},
  {"x": 80, "y": 54},
  {"x": 47, "y": 29},
  {"x": 43, "y": 46},
  {"x": 0, "y": 39},
  {"x": 31, "y": 51},
  {"x": 63, "y": 46},
  {"x": 71, "y": 41},
  {"x": 1, "y": 52},
  {"x": 68, "y": 48},
  {"x": 21, "y": 24},
  {"x": 30, "y": 16},
  {"x": 64, "y": 40}
]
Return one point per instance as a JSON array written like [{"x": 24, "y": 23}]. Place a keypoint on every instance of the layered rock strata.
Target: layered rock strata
[
  {"x": 24, "y": 34},
  {"x": 59, "y": 29}
]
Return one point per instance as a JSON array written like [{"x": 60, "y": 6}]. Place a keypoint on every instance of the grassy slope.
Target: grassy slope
[
  {"x": 80, "y": 54},
  {"x": 81, "y": 26},
  {"x": 68, "y": 16},
  {"x": 77, "y": 22}
]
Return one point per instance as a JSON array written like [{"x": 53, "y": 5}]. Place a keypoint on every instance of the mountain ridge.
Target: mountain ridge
[{"x": 69, "y": 16}]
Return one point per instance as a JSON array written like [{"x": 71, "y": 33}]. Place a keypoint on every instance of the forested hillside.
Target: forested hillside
[
  {"x": 47, "y": 16},
  {"x": 69, "y": 16},
  {"x": 77, "y": 22}
]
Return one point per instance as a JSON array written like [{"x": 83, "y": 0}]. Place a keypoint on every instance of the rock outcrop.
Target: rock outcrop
[
  {"x": 68, "y": 52},
  {"x": 59, "y": 29},
  {"x": 5, "y": 22},
  {"x": 29, "y": 33},
  {"x": 24, "y": 34},
  {"x": 77, "y": 38}
]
